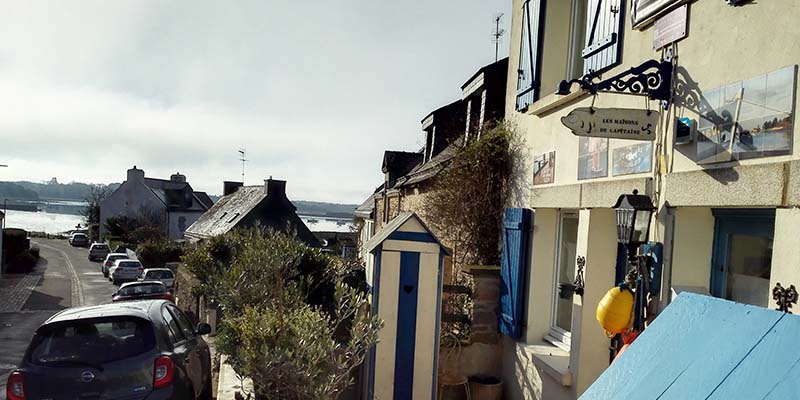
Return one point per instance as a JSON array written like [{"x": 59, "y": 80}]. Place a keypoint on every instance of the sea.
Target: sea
[{"x": 50, "y": 221}]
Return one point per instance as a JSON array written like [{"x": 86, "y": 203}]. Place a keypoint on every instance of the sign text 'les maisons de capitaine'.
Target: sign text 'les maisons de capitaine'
[{"x": 616, "y": 123}]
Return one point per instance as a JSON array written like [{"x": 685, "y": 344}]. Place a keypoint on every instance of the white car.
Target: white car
[
  {"x": 125, "y": 270},
  {"x": 163, "y": 275},
  {"x": 109, "y": 262}
]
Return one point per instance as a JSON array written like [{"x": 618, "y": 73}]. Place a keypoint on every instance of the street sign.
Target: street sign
[{"x": 615, "y": 123}]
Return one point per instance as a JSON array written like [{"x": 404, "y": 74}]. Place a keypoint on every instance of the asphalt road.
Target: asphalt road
[{"x": 63, "y": 278}]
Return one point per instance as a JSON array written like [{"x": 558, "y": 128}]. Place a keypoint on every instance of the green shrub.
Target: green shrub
[
  {"x": 22, "y": 263},
  {"x": 15, "y": 242},
  {"x": 290, "y": 321},
  {"x": 156, "y": 253}
]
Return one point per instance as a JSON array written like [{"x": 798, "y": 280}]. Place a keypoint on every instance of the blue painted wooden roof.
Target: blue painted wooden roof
[{"x": 703, "y": 347}]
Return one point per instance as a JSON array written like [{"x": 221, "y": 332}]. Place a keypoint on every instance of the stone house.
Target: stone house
[
  {"x": 409, "y": 176},
  {"x": 719, "y": 166},
  {"x": 172, "y": 203},
  {"x": 263, "y": 206}
]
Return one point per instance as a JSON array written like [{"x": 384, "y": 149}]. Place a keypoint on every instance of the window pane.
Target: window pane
[
  {"x": 94, "y": 341},
  {"x": 566, "y": 271},
  {"x": 175, "y": 334},
  {"x": 749, "y": 265},
  {"x": 183, "y": 321}
]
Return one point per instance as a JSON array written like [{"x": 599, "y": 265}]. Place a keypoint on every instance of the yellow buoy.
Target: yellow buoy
[{"x": 615, "y": 310}]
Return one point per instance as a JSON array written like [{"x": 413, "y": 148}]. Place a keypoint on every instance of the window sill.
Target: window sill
[
  {"x": 553, "y": 102},
  {"x": 553, "y": 360}
]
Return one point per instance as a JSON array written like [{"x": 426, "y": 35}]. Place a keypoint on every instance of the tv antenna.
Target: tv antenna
[
  {"x": 497, "y": 35},
  {"x": 242, "y": 158}
]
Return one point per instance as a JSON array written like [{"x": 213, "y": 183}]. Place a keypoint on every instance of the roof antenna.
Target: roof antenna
[
  {"x": 243, "y": 160},
  {"x": 497, "y": 35}
]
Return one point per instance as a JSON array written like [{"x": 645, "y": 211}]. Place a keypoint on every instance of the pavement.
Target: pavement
[{"x": 63, "y": 278}]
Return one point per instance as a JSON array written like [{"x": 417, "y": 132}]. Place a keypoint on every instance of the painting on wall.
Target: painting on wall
[
  {"x": 544, "y": 168},
  {"x": 592, "y": 157},
  {"x": 633, "y": 159},
  {"x": 748, "y": 119}
]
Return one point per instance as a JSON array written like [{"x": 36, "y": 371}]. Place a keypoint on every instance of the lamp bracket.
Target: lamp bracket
[{"x": 651, "y": 78}]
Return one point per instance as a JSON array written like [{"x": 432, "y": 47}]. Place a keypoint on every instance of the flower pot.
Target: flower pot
[{"x": 485, "y": 388}]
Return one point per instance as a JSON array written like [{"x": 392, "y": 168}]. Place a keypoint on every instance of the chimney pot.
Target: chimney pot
[
  {"x": 229, "y": 187},
  {"x": 135, "y": 174},
  {"x": 274, "y": 187}
]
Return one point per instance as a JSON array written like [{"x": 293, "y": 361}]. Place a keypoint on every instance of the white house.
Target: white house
[{"x": 173, "y": 202}]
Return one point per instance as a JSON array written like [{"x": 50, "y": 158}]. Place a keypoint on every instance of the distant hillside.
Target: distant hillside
[
  {"x": 24, "y": 190},
  {"x": 11, "y": 190},
  {"x": 321, "y": 209}
]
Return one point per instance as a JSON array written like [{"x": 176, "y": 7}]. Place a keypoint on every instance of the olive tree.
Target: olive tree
[{"x": 293, "y": 319}]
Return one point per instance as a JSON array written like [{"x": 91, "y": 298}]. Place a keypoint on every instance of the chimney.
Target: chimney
[
  {"x": 229, "y": 187},
  {"x": 177, "y": 177},
  {"x": 135, "y": 174},
  {"x": 274, "y": 188}
]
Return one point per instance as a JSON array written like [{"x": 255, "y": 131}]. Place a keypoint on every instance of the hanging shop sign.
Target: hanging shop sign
[
  {"x": 670, "y": 28},
  {"x": 615, "y": 123}
]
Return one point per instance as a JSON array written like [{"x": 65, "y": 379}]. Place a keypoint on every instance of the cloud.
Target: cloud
[{"x": 315, "y": 91}]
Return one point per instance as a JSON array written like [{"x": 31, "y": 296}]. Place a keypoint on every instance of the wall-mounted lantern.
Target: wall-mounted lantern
[{"x": 633, "y": 220}]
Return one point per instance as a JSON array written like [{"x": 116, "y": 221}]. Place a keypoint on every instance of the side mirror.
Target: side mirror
[{"x": 202, "y": 329}]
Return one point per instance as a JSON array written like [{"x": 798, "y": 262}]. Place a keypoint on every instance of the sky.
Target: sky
[{"x": 314, "y": 91}]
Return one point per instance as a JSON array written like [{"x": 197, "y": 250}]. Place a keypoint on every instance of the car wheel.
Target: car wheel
[{"x": 114, "y": 281}]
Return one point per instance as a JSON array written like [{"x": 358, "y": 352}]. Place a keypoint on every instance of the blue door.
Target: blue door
[
  {"x": 406, "y": 326},
  {"x": 742, "y": 255}
]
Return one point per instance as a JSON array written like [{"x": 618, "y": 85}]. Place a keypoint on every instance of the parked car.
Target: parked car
[
  {"x": 163, "y": 275},
  {"x": 109, "y": 261},
  {"x": 142, "y": 291},
  {"x": 79, "y": 239},
  {"x": 125, "y": 270},
  {"x": 142, "y": 349},
  {"x": 98, "y": 251}
]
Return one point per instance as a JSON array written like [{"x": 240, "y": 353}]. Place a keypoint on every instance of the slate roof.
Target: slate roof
[
  {"x": 250, "y": 206},
  {"x": 172, "y": 195},
  {"x": 366, "y": 208},
  {"x": 500, "y": 66},
  {"x": 430, "y": 169}
]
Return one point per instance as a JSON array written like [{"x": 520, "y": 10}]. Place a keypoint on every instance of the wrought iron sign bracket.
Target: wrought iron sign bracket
[{"x": 652, "y": 79}]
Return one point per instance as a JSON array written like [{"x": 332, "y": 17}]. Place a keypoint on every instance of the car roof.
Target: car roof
[
  {"x": 100, "y": 244},
  {"x": 78, "y": 233},
  {"x": 117, "y": 254},
  {"x": 139, "y": 309}
]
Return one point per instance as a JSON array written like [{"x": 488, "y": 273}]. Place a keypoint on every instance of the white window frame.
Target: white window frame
[
  {"x": 558, "y": 336},
  {"x": 577, "y": 39}
]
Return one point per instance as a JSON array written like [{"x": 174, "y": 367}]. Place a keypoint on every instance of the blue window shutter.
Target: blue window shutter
[
  {"x": 603, "y": 35},
  {"x": 529, "y": 49},
  {"x": 517, "y": 232}
]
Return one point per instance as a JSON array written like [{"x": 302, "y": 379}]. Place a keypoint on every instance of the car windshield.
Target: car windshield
[
  {"x": 91, "y": 342},
  {"x": 117, "y": 257},
  {"x": 134, "y": 290},
  {"x": 159, "y": 275},
  {"x": 99, "y": 247}
]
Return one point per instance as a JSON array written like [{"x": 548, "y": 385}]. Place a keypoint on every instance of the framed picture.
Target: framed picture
[
  {"x": 544, "y": 168},
  {"x": 592, "y": 158},
  {"x": 644, "y": 11},
  {"x": 748, "y": 119},
  {"x": 632, "y": 159}
]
